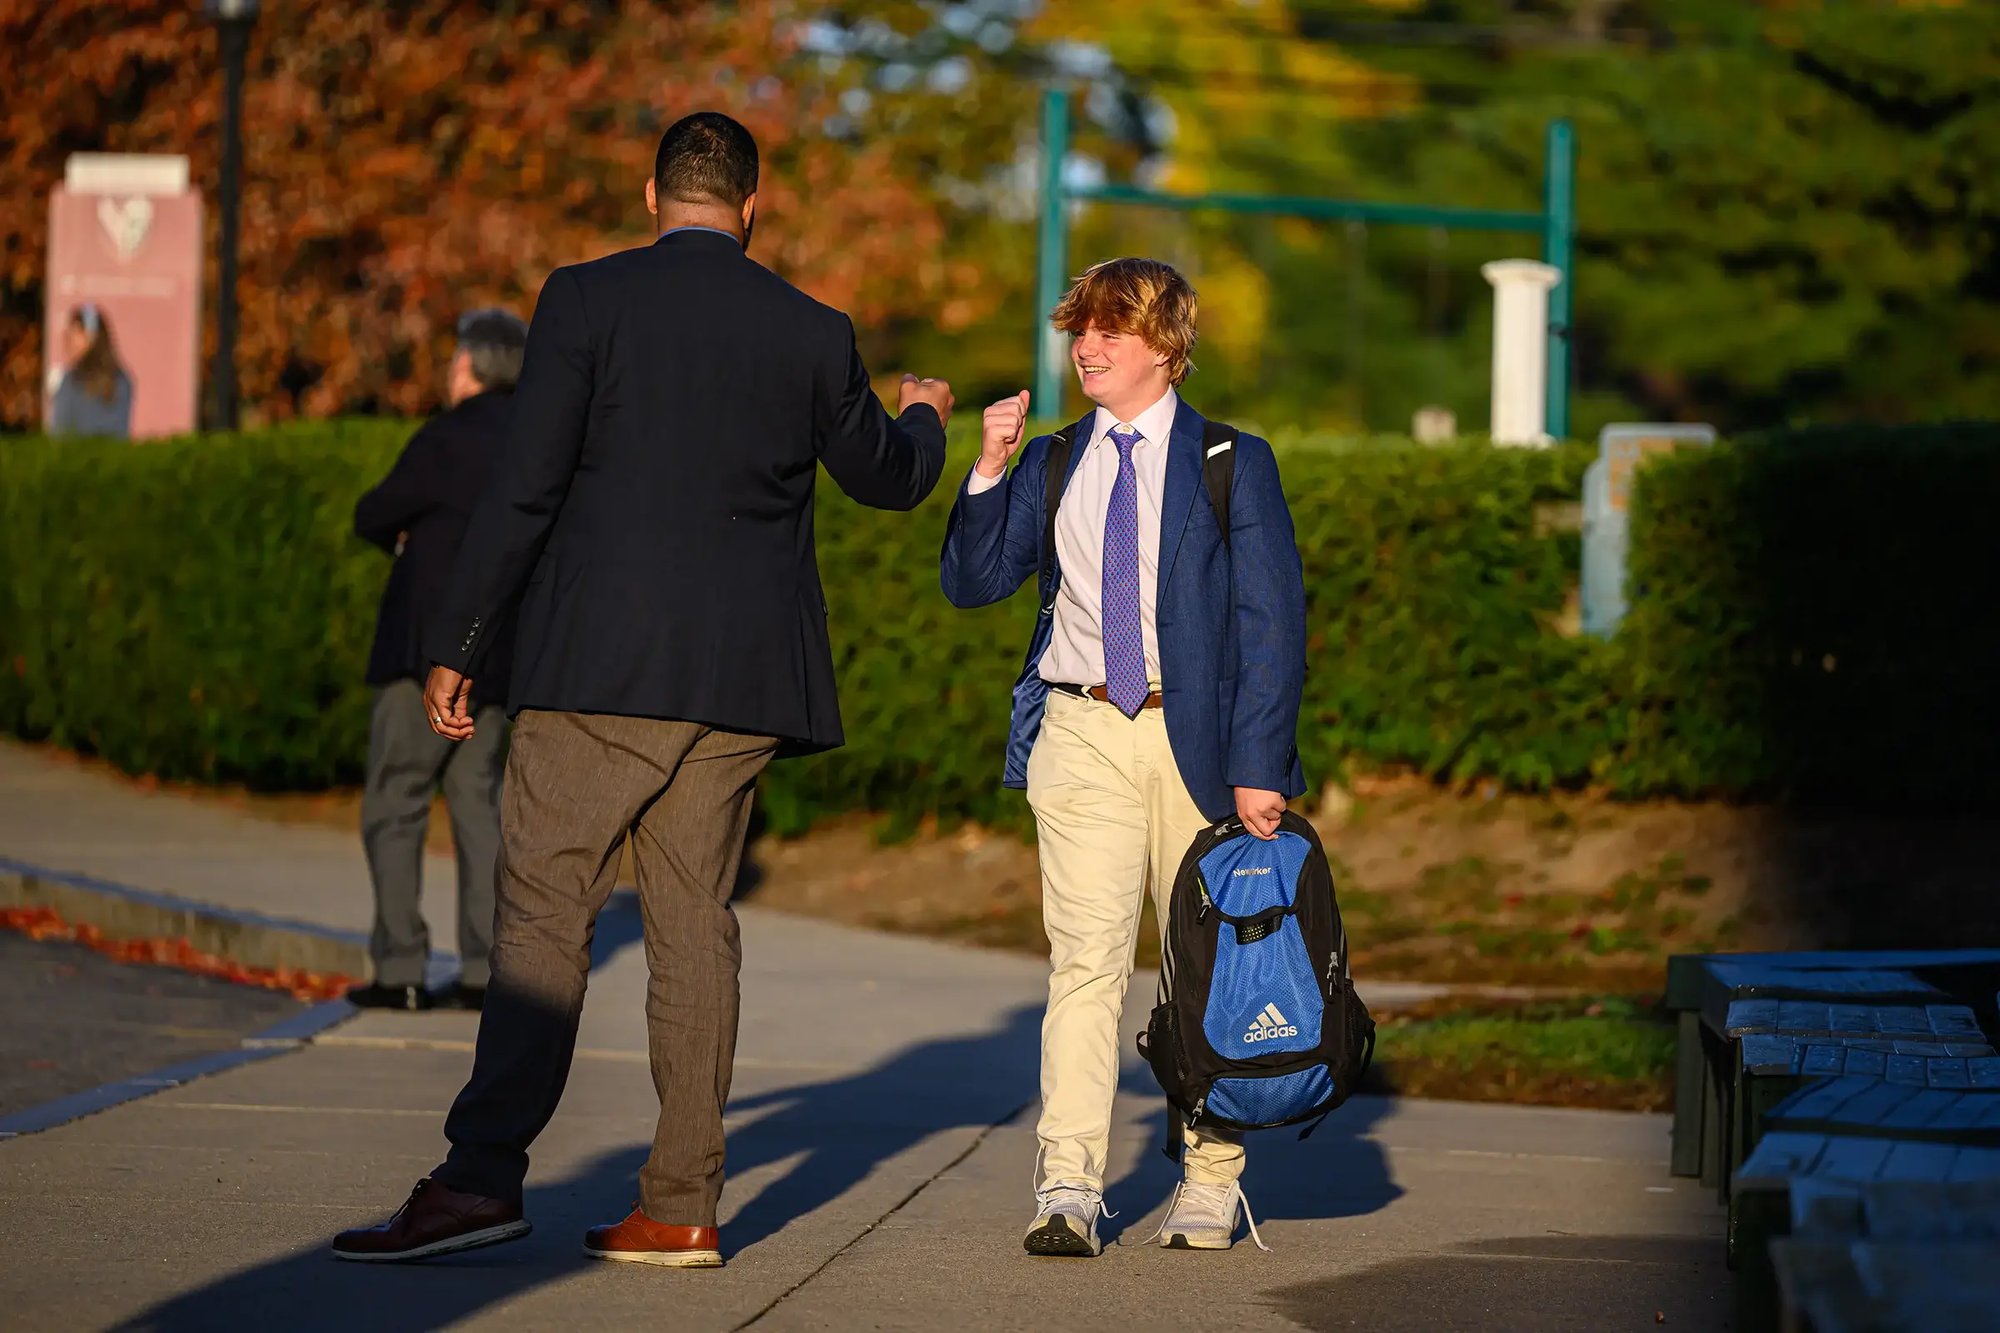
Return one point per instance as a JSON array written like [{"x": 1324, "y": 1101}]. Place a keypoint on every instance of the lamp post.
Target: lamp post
[{"x": 233, "y": 19}]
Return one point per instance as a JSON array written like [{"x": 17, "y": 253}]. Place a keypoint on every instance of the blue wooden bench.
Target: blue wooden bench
[
  {"x": 1856, "y": 1285},
  {"x": 1914, "y": 1032},
  {"x": 1910, "y": 1253},
  {"x": 1871, "y": 1191},
  {"x": 1771, "y": 1067},
  {"x": 1709, "y": 1134}
]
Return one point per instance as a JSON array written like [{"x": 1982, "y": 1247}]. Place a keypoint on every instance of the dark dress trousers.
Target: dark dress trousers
[{"x": 655, "y": 500}]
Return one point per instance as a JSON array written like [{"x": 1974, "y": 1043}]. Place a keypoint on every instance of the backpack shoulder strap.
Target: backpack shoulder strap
[
  {"x": 1055, "y": 473},
  {"x": 1218, "y": 471}
]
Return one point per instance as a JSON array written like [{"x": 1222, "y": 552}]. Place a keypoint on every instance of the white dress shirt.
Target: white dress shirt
[{"x": 1075, "y": 653}]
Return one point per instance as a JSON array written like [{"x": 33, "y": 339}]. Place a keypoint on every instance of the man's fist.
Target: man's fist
[
  {"x": 935, "y": 392},
  {"x": 448, "y": 700},
  {"x": 1006, "y": 422}
]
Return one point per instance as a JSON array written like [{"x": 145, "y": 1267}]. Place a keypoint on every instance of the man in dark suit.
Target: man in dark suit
[
  {"x": 418, "y": 514},
  {"x": 656, "y": 501}
]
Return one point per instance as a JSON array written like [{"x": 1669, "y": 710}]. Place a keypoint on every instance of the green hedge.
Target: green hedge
[
  {"x": 196, "y": 609},
  {"x": 1814, "y": 618}
]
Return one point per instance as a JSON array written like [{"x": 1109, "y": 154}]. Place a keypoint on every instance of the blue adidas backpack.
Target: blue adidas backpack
[{"x": 1257, "y": 1024}]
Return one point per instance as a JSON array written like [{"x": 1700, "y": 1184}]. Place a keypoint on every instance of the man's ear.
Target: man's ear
[
  {"x": 459, "y": 381},
  {"x": 652, "y": 197},
  {"x": 749, "y": 210}
]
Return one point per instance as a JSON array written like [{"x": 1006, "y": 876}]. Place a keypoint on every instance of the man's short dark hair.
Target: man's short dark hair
[
  {"x": 706, "y": 158},
  {"x": 495, "y": 341}
]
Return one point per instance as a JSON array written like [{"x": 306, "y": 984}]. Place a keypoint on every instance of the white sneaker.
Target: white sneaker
[
  {"x": 1203, "y": 1217},
  {"x": 1066, "y": 1222}
]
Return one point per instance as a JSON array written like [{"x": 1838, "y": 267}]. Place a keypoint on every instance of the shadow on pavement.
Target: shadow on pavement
[
  {"x": 1549, "y": 1283},
  {"x": 1339, "y": 1172},
  {"x": 313, "y": 1290},
  {"x": 844, "y": 1127}
]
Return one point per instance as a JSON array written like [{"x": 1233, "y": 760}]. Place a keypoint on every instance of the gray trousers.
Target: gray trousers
[
  {"x": 578, "y": 785},
  {"x": 407, "y": 762}
]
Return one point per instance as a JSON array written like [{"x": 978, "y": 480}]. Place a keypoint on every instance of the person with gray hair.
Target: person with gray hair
[{"x": 418, "y": 514}]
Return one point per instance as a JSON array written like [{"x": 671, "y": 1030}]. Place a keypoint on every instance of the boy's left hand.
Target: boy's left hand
[{"x": 1259, "y": 810}]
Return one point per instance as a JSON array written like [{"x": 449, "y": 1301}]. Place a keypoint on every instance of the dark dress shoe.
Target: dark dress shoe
[
  {"x": 462, "y": 996},
  {"x": 436, "y": 1220},
  {"x": 641, "y": 1240},
  {"x": 378, "y": 996}
]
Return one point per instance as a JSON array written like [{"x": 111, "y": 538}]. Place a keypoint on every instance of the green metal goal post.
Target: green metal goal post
[{"x": 1556, "y": 224}]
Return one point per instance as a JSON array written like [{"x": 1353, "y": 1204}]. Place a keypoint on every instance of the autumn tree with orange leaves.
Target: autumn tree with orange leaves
[{"x": 404, "y": 162}]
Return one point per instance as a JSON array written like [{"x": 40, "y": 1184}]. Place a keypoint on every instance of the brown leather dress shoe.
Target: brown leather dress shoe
[
  {"x": 436, "y": 1220},
  {"x": 641, "y": 1240}
]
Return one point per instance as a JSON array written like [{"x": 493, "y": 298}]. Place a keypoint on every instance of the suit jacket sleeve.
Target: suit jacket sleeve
[
  {"x": 880, "y": 461},
  {"x": 1269, "y": 595},
  {"x": 993, "y": 540},
  {"x": 412, "y": 488},
  {"x": 511, "y": 521}
]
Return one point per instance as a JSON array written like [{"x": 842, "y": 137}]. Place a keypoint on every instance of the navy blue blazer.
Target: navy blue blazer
[{"x": 1231, "y": 621}]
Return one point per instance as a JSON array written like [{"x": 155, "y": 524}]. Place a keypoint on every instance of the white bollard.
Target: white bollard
[{"x": 1520, "y": 348}]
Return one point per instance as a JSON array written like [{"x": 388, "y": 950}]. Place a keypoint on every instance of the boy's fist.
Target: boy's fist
[{"x": 1006, "y": 422}]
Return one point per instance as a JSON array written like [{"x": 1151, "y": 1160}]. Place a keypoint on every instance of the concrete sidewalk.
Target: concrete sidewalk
[{"x": 881, "y": 1148}]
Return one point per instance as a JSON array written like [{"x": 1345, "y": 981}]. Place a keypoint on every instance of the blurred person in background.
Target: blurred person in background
[
  {"x": 419, "y": 514},
  {"x": 94, "y": 395}
]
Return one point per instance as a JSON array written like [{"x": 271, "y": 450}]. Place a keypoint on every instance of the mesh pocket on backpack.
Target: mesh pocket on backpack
[
  {"x": 1264, "y": 998},
  {"x": 1270, "y": 1100}
]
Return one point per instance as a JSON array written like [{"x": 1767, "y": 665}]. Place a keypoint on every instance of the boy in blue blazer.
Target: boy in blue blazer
[{"x": 1160, "y": 695}]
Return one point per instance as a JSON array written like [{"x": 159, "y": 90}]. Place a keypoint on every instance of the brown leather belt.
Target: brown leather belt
[{"x": 1099, "y": 693}]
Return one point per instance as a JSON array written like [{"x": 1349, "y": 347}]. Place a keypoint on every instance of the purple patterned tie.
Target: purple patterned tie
[{"x": 1124, "y": 641}]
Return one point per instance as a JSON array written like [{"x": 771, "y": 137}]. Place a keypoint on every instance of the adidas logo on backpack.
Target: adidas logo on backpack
[
  {"x": 1258, "y": 1024},
  {"x": 1270, "y": 1025}
]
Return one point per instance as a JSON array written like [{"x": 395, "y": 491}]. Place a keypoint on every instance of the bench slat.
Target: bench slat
[
  {"x": 1953, "y": 1021},
  {"x": 1820, "y": 1101},
  {"x": 1946, "y": 1074},
  {"x": 1876, "y": 1104},
  {"x": 1780, "y": 1156},
  {"x": 1919, "y": 1161},
  {"x": 1976, "y": 1164},
  {"x": 1947, "y": 1024},
  {"x": 1869, "y": 1109},
  {"x": 1852, "y": 1159},
  {"x": 1963, "y": 1114}
]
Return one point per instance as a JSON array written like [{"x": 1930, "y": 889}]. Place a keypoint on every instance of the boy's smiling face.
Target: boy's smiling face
[{"x": 1120, "y": 372}]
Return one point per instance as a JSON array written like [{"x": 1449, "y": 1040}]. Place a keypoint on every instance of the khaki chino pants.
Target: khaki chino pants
[
  {"x": 577, "y": 786},
  {"x": 1112, "y": 816}
]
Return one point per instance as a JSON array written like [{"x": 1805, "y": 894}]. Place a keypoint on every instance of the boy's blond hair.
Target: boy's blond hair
[{"x": 1135, "y": 296}]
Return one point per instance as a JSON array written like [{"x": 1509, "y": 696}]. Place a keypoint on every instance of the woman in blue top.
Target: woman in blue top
[{"x": 95, "y": 394}]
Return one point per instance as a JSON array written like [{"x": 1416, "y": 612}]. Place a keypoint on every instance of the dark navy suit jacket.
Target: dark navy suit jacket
[
  {"x": 652, "y": 511},
  {"x": 1231, "y": 621}
]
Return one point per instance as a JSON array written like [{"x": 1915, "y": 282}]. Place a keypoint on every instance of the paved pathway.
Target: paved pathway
[{"x": 881, "y": 1146}]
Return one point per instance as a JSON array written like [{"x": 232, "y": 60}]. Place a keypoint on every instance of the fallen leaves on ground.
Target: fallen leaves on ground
[{"x": 44, "y": 923}]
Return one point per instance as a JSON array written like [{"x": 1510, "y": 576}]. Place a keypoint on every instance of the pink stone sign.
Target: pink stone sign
[{"x": 125, "y": 234}]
